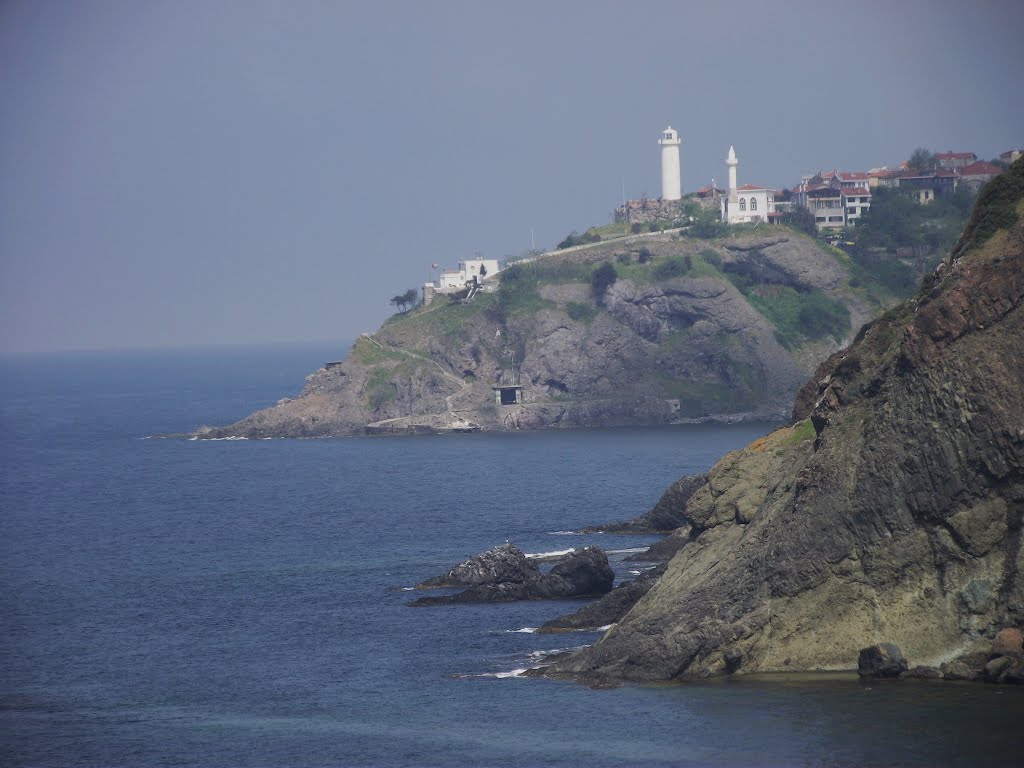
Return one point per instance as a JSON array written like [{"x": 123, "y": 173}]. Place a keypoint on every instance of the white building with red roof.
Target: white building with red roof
[
  {"x": 856, "y": 201},
  {"x": 836, "y": 198}
]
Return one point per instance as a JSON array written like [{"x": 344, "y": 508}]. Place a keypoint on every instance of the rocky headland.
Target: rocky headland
[
  {"x": 688, "y": 329},
  {"x": 885, "y": 524}
]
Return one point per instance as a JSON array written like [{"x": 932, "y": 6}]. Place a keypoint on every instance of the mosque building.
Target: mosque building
[{"x": 748, "y": 204}]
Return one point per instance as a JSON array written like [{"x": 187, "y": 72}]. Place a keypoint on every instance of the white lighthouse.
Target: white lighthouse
[{"x": 671, "y": 183}]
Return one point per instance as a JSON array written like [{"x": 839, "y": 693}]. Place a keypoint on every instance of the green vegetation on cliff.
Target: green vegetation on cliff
[
  {"x": 626, "y": 329},
  {"x": 891, "y": 511}
]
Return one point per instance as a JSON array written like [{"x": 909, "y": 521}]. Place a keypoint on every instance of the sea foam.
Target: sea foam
[{"x": 556, "y": 553}]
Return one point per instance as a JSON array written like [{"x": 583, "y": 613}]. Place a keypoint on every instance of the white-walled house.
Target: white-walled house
[
  {"x": 857, "y": 201},
  {"x": 470, "y": 269}
]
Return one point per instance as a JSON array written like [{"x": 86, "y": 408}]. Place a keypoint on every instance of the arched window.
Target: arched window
[
  {"x": 743, "y": 203},
  {"x": 753, "y": 203}
]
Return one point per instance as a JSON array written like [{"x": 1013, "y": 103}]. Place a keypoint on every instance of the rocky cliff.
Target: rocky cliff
[
  {"x": 891, "y": 511},
  {"x": 686, "y": 329}
]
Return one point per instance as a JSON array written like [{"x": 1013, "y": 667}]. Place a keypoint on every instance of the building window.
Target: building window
[
  {"x": 835, "y": 218},
  {"x": 753, "y": 203},
  {"x": 743, "y": 203}
]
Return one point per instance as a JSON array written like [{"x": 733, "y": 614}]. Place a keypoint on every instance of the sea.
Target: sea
[{"x": 171, "y": 602}]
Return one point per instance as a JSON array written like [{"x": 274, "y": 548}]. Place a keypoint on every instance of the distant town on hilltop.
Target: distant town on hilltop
[
  {"x": 827, "y": 202},
  {"x": 837, "y": 199}
]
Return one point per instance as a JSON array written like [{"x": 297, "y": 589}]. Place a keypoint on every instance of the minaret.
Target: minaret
[
  {"x": 671, "y": 183},
  {"x": 732, "y": 162}
]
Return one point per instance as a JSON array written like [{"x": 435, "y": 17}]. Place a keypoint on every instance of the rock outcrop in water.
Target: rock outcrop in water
[
  {"x": 505, "y": 574},
  {"x": 891, "y": 511},
  {"x": 684, "y": 332},
  {"x": 608, "y": 609}
]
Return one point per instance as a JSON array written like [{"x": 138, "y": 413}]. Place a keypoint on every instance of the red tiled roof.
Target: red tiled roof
[
  {"x": 885, "y": 173},
  {"x": 752, "y": 188},
  {"x": 926, "y": 174},
  {"x": 851, "y": 175},
  {"x": 855, "y": 191},
  {"x": 981, "y": 168},
  {"x": 954, "y": 155}
]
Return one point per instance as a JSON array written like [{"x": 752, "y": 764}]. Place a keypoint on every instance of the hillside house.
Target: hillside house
[
  {"x": 976, "y": 175},
  {"x": 928, "y": 185},
  {"x": 826, "y": 203},
  {"x": 837, "y": 199},
  {"x": 469, "y": 271},
  {"x": 882, "y": 177},
  {"x": 954, "y": 161},
  {"x": 856, "y": 202}
]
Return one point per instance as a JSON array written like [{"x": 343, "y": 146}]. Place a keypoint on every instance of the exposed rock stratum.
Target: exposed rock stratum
[
  {"x": 890, "y": 512},
  {"x": 672, "y": 338}
]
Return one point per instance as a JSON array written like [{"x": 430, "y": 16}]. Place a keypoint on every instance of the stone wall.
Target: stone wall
[{"x": 646, "y": 211}]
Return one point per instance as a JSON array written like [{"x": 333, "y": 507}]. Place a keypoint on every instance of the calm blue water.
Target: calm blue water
[{"x": 167, "y": 602}]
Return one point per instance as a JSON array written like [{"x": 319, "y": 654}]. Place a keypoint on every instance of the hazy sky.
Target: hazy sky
[{"x": 183, "y": 173}]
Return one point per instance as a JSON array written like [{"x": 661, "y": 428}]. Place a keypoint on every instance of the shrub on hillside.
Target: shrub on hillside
[
  {"x": 603, "y": 279},
  {"x": 675, "y": 266},
  {"x": 575, "y": 238},
  {"x": 708, "y": 226},
  {"x": 518, "y": 289},
  {"x": 712, "y": 257},
  {"x": 580, "y": 312},
  {"x": 820, "y": 316},
  {"x": 996, "y": 207}
]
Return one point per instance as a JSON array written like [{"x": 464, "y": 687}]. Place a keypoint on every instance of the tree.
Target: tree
[
  {"x": 404, "y": 300},
  {"x": 708, "y": 226},
  {"x": 921, "y": 159},
  {"x": 602, "y": 279},
  {"x": 802, "y": 219}
]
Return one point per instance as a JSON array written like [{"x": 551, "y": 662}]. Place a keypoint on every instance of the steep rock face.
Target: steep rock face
[
  {"x": 665, "y": 516},
  {"x": 899, "y": 521},
  {"x": 607, "y": 609},
  {"x": 672, "y": 338}
]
